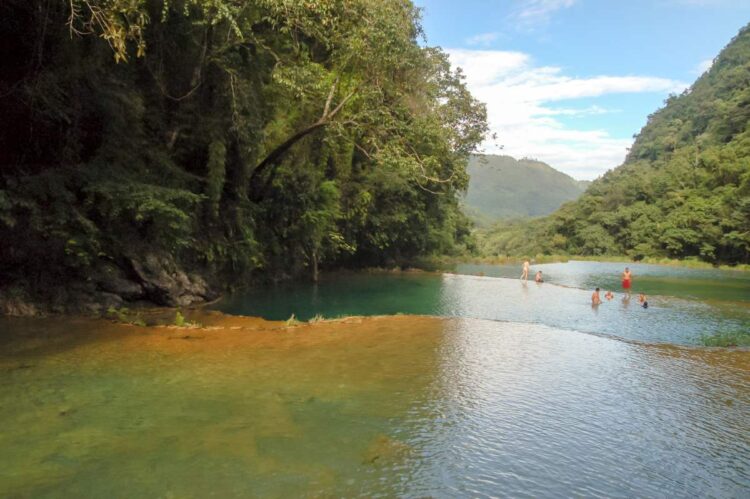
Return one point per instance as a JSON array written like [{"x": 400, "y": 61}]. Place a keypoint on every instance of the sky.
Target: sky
[{"x": 569, "y": 82}]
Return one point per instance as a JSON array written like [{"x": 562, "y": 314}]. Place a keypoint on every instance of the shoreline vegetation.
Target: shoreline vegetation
[{"x": 432, "y": 264}]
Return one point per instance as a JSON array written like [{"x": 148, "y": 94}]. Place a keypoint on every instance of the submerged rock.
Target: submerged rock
[{"x": 384, "y": 449}]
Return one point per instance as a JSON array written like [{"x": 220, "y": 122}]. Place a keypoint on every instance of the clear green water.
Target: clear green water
[
  {"x": 404, "y": 406},
  {"x": 679, "y": 312},
  {"x": 505, "y": 396},
  {"x": 703, "y": 284}
]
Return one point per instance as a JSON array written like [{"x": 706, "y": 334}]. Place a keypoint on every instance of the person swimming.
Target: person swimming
[
  {"x": 627, "y": 279},
  {"x": 642, "y": 300},
  {"x": 538, "y": 277},
  {"x": 609, "y": 295},
  {"x": 595, "y": 298}
]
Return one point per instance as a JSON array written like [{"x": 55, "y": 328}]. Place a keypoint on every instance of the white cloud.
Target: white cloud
[
  {"x": 482, "y": 39},
  {"x": 703, "y": 66},
  {"x": 702, "y": 3},
  {"x": 532, "y": 13},
  {"x": 518, "y": 97}
]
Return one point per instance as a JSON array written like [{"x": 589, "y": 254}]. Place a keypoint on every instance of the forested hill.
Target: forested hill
[
  {"x": 503, "y": 187},
  {"x": 684, "y": 189},
  {"x": 161, "y": 150}
]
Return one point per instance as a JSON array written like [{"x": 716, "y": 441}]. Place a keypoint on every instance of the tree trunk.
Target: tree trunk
[{"x": 315, "y": 265}]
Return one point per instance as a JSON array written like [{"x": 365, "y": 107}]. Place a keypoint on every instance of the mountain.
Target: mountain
[
  {"x": 502, "y": 187},
  {"x": 684, "y": 189}
]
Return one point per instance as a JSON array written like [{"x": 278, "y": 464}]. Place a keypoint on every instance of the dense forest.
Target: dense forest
[
  {"x": 162, "y": 149},
  {"x": 683, "y": 191},
  {"x": 502, "y": 187}
]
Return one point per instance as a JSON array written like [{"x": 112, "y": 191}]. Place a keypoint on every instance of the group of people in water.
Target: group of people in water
[
  {"x": 525, "y": 273},
  {"x": 596, "y": 300}
]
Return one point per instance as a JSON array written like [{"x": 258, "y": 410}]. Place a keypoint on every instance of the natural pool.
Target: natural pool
[
  {"x": 518, "y": 389},
  {"x": 562, "y": 301},
  {"x": 379, "y": 407}
]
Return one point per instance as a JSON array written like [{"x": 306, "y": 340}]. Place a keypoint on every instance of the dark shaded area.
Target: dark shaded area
[{"x": 161, "y": 152}]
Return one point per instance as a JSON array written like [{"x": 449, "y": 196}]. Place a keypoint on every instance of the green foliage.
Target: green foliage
[
  {"x": 125, "y": 316},
  {"x": 179, "y": 319},
  {"x": 316, "y": 318},
  {"x": 683, "y": 191},
  {"x": 292, "y": 321},
  {"x": 269, "y": 136}
]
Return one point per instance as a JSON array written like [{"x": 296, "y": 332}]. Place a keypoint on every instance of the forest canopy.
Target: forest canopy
[{"x": 232, "y": 137}]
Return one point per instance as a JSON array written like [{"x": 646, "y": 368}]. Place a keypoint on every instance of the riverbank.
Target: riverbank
[{"x": 442, "y": 262}]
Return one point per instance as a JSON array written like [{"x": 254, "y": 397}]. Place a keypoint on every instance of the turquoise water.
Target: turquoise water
[{"x": 562, "y": 301}]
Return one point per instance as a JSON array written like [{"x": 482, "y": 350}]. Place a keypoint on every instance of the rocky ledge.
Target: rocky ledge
[{"x": 147, "y": 280}]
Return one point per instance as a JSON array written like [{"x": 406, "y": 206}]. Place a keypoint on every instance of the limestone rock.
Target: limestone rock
[{"x": 165, "y": 284}]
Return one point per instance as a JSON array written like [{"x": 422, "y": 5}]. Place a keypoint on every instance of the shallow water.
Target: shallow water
[
  {"x": 669, "y": 319},
  {"x": 402, "y": 406},
  {"x": 704, "y": 284}
]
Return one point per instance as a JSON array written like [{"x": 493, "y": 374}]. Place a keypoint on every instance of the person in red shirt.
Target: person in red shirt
[{"x": 627, "y": 280}]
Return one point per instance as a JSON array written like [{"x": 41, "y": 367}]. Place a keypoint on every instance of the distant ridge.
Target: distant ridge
[{"x": 502, "y": 187}]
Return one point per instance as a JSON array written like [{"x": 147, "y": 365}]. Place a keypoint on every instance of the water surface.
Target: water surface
[
  {"x": 563, "y": 301},
  {"x": 404, "y": 406}
]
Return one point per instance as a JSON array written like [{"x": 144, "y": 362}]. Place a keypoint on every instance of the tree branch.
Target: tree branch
[
  {"x": 276, "y": 154},
  {"x": 330, "y": 98}
]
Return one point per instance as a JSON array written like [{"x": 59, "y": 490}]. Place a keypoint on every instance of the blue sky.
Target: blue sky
[{"x": 570, "y": 81}]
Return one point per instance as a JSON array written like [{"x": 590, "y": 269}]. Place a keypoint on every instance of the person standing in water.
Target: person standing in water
[
  {"x": 627, "y": 280},
  {"x": 595, "y": 298},
  {"x": 525, "y": 272},
  {"x": 538, "y": 277}
]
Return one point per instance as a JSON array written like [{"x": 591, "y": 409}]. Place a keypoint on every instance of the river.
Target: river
[
  {"x": 684, "y": 304},
  {"x": 406, "y": 405}
]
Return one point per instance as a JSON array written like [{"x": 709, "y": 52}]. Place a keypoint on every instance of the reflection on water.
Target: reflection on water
[
  {"x": 668, "y": 319},
  {"x": 404, "y": 406},
  {"x": 589, "y": 416}
]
